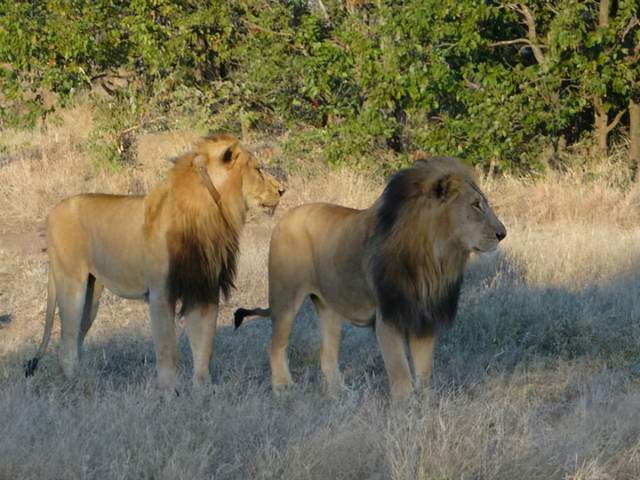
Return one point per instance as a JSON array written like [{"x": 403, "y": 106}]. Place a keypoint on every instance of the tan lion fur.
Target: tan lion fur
[
  {"x": 177, "y": 244},
  {"x": 202, "y": 241},
  {"x": 397, "y": 265}
]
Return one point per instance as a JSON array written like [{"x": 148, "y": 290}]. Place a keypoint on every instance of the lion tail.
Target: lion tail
[
  {"x": 241, "y": 313},
  {"x": 31, "y": 365}
]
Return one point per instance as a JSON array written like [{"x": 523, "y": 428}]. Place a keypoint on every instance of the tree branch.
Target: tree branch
[
  {"x": 510, "y": 42},
  {"x": 254, "y": 26},
  {"x": 140, "y": 125},
  {"x": 632, "y": 23},
  {"x": 339, "y": 44},
  {"x": 472, "y": 85},
  {"x": 323, "y": 10},
  {"x": 599, "y": 108},
  {"x": 615, "y": 120},
  {"x": 532, "y": 35}
]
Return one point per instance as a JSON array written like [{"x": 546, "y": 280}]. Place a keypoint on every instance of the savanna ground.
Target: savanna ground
[{"x": 538, "y": 379}]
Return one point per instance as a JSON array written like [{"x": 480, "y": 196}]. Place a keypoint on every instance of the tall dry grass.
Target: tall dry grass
[{"x": 538, "y": 379}]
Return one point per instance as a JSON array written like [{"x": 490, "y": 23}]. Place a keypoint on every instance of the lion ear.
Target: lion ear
[
  {"x": 227, "y": 156},
  {"x": 421, "y": 158},
  {"x": 446, "y": 188}
]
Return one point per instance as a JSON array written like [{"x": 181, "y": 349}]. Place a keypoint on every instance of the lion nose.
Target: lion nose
[
  {"x": 500, "y": 234},
  {"x": 281, "y": 190}
]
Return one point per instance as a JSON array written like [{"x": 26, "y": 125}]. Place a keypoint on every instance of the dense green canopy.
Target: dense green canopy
[{"x": 490, "y": 81}]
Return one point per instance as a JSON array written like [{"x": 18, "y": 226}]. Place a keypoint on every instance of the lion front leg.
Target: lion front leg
[
  {"x": 421, "y": 349},
  {"x": 164, "y": 339},
  {"x": 201, "y": 330},
  {"x": 395, "y": 360}
]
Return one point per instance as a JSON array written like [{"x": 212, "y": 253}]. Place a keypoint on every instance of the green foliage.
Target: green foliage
[
  {"x": 450, "y": 77},
  {"x": 115, "y": 119}
]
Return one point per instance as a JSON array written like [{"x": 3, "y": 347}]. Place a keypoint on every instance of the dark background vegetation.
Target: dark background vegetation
[{"x": 510, "y": 85}]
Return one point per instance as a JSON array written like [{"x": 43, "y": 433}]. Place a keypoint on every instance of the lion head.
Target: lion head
[
  {"x": 205, "y": 220},
  {"x": 428, "y": 220},
  {"x": 227, "y": 161},
  {"x": 472, "y": 222}
]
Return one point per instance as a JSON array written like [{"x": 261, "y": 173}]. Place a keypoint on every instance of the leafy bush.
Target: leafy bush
[{"x": 493, "y": 82}]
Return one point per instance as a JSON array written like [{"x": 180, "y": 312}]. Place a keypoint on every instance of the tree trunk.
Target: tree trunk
[
  {"x": 634, "y": 136},
  {"x": 603, "y": 126},
  {"x": 601, "y": 121},
  {"x": 601, "y": 117},
  {"x": 603, "y": 19}
]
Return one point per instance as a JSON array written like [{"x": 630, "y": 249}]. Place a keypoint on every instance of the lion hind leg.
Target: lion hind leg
[
  {"x": 290, "y": 282},
  {"x": 90, "y": 311},
  {"x": 71, "y": 300},
  {"x": 331, "y": 327},
  {"x": 283, "y": 312},
  {"x": 391, "y": 343},
  {"x": 201, "y": 330}
]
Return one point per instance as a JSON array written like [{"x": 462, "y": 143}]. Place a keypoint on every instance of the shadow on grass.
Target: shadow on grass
[
  {"x": 502, "y": 323},
  {"x": 126, "y": 356}
]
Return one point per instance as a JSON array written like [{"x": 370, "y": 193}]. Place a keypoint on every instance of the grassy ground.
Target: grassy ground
[{"x": 538, "y": 379}]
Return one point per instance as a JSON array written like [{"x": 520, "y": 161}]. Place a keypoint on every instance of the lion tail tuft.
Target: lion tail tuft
[
  {"x": 240, "y": 314},
  {"x": 30, "y": 367}
]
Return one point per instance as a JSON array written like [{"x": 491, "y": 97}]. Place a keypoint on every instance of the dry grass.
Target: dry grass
[{"x": 538, "y": 379}]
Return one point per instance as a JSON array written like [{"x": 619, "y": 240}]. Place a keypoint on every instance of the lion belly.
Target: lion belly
[
  {"x": 351, "y": 300},
  {"x": 123, "y": 286}
]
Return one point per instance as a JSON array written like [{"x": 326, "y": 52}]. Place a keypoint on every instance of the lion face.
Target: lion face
[
  {"x": 228, "y": 161},
  {"x": 259, "y": 187},
  {"x": 445, "y": 192},
  {"x": 474, "y": 223}
]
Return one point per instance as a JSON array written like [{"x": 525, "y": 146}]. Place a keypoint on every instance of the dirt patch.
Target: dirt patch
[{"x": 30, "y": 242}]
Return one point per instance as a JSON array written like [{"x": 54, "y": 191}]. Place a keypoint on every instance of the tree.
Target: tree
[
  {"x": 495, "y": 82},
  {"x": 601, "y": 109},
  {"x": 632, "y": 41}
]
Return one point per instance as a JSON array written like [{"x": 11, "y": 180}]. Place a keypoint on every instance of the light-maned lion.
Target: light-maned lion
[
  {"x": 397, "y": 265},
  {"x": 178, "y": 243}
]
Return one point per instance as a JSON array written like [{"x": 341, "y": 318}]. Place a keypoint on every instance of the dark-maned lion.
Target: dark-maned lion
[
  {"x": 397, "y": 264},
  {"x": 179, "y": 243}
]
